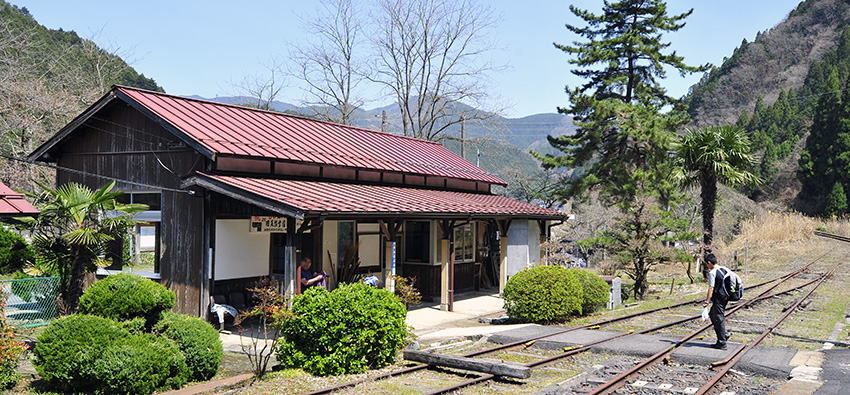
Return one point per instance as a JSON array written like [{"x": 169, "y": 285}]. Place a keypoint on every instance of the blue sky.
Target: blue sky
[{"x": 197, "y": 47}]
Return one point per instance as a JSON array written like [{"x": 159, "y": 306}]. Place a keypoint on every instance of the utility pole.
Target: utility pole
[
  {"x": 462, "y": 136},
  {"x": 384, "y": 121}
]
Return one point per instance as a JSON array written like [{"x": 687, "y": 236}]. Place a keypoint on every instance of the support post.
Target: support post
[
  {"x": 444, "y": 274},
  {"x": 503, "y": 264},
  {"x": 389, "y": 270}
]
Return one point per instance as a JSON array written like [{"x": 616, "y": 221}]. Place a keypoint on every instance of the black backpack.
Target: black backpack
[{"x": 732, "y": 288}]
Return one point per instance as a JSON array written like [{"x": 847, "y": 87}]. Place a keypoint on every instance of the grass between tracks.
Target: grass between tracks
[{"x": 768, "y": 246}]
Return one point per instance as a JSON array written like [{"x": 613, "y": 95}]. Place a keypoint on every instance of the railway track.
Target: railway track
[{"x": 573, "y": 371}]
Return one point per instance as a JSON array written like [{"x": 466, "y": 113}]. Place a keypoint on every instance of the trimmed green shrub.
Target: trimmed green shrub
[
  {"x": 349, "y": 330},
  {"x": 68, "y": 348},
  {"x": 543, "y": 294},
  {"x": 135, "y": 325},
  {"x": 14, "y": 251},
  {"x": 140, "y": 364},
  {"x": 89, "y": 353},
  {"x": 595, "y": 290},
  {"x": 126, "y": 296},
  {"x": 197, "y": 339}
]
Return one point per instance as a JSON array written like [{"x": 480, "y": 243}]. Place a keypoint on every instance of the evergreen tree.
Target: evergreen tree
[
  {"x": 625, "y": 122},
  {"x": 817, "y": 168},
  {"x": 836, "y": 201}
]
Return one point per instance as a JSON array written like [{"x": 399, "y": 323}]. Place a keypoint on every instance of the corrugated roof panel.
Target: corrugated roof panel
[
  {"x": 234, "y": 130},
  {"x": 13, "y": 204},
  {"x": 328, "y": 197}
]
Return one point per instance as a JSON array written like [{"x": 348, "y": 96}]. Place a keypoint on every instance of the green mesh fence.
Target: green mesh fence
[{"x": 30, "y": 301}]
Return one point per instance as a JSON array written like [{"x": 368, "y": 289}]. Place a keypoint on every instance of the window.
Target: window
[
  {"x": 345, "y": 238},
  {"x": 464, "y": 241},
  {"x": 140, "y": 248},
  {"x": 417, "y": 241}
]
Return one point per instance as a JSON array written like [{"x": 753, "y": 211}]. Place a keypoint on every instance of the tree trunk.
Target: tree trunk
[
  {"x": 640, "y": 279},
  {"x": 708, "y": 194},
  {"x": 79, "y": 261}
]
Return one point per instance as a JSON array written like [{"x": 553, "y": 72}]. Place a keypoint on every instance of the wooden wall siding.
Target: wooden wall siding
[
  {"x": 182, "y": 258},
  {"x": 226, "y": 206},
  {"x": 122, "y": 143},
  {"x": 427, "y": 280},
  {"x": 464, "y": 277}
]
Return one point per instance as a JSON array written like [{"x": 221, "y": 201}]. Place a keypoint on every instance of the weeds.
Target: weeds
[{"x": 268, "y": 315}]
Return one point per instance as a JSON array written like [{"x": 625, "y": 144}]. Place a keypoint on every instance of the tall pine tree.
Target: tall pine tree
[{"x": 625, "y": 122}]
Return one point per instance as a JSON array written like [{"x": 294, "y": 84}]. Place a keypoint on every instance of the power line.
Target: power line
[{"x": 85, "y": 173}]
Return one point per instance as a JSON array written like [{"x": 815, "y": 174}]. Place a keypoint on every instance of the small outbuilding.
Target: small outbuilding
[
  {"x": 237, "y": 194},
  {"x": 13, "y": 204}
]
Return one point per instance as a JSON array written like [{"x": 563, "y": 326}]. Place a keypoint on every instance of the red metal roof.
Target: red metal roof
[
  {"x": 340, "y": 198},
  {"x": 13, "y": 204},
  {"x": 235, "y": 130}
]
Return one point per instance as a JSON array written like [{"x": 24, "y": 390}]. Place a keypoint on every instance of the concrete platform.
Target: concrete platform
[{"x": 761, "y": 361}]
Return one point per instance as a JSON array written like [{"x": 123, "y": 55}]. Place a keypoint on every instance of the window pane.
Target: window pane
[
  {"x": 468, "y": 243},
  {"x": 417, "y": 241},
  {"x": 151, "y": 199},
  {"x": 148, "y": 239},
  {"x": 458, "y": 243},
  {"x": 345, "y": 237}
]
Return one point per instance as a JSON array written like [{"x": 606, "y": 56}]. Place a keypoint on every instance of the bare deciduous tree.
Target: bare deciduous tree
[
  {"x": 40, "y": 93},
  {"x": 262, "y": 89},
  {"x": 537, "y": 188},
  {"x": 432, "y": 56},
  {"x": 331, "y": 65}
]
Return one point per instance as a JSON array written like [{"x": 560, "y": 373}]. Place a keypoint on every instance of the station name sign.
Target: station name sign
[{"x": 267, "y": 225}]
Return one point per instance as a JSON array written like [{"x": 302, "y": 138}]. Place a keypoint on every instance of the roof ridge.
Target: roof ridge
[{"x": 276, "y": 113}]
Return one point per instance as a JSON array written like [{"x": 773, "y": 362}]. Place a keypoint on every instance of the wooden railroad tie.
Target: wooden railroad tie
[{"x": 498, "y": 368}]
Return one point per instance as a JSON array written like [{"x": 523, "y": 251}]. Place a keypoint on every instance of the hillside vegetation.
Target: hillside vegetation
[
  {"x": 47, "y": 77},
  {"x": 773, "y": 88}
]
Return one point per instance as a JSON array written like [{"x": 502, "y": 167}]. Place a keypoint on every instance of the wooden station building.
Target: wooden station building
[{"x": 237, "y": 194}]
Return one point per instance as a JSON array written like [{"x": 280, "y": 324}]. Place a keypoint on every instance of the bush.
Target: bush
[
  {"x": 140, "y": 364},
  {"x": 10, "y": 350},
  {"x": 197, "y": 339},
  {"x": 594, "y": 289},
  {"x": 349, "y": 330},
  {"x": 543, "y": 294},
  {"x": 69, "y": 347},
  {"x": 89, "y": 353},
  {"x": 126, "y": 296},
  {"x": 14, "y": 251}
]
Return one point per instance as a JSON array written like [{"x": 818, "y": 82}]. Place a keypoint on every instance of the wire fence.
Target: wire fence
[{"x": 30, "y": 301}]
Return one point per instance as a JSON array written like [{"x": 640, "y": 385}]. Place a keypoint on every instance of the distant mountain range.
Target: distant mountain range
[{"x": 527, "y": 132}]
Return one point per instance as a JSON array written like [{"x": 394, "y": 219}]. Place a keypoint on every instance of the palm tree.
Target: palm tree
[
  {"x": 711, "y": 155},
  {"x": 72, "y": 233}
]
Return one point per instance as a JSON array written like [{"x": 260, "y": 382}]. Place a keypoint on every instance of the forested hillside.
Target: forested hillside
[
  {"x": 46, "y": 78},
  {"x": 773, "y": 87}
]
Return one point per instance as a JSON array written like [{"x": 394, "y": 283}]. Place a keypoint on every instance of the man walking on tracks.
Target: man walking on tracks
[{"x": 717, "y": 314}]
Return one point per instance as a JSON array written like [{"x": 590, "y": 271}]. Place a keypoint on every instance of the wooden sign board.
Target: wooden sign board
[{"x": 267, "y": 225}]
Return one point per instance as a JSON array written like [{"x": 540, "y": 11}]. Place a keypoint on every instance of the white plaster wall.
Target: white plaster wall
[
  {"x": 518, "y": 251},
  {"x": 534, "y": 243},
  {"x": 238, "y": 253},
  {"x": 370, "y": 246},
  {"x": 523, "y": 245}
]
